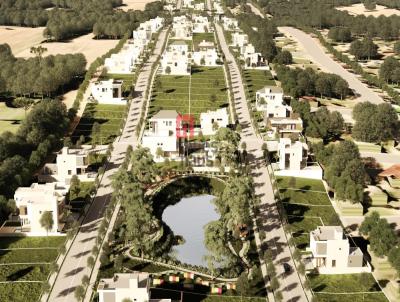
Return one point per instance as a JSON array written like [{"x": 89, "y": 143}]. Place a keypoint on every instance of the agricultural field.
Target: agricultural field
[
  {"x": 26, "y": 260},
  {"x": 200, "y": 37},
  {"x": 10, "y": 118},
  {"x": 204, "y": 90},
  {"x": 359, "y": 288},
  {"x": 109, "y": 118},
  {"x": 307, "y": 206}
]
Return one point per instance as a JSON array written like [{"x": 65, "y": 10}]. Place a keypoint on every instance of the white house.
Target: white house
[
  {"x": 332, "y": 253},
  {"x": 35, "y": 200},
  {"x": 239, "y": 39},
  {"x": 250, "y": 57},
  {"x": 199, "y": 6},
  {"x": 201, "y": 24},
  {"x": 188, "y": 3},
  {"x": 207, "y": 120},
  {"x": 230, "y": 24},
  {"x": 284, "y": 126},
  {"x": 182, "y": 28},
  {"x": 292, "y": 155},
  {"x": 125, "y": 61},
  {"x": 175, "y": 60},
  {"x": 162, "y": 133},
  {"x": 69, "y": 162},
  {"x": 206, "y": 55},
  {"x": 108, "y": 92},
  {"x": 270, "y": 100},
  {"x": 133, "y": 287}
]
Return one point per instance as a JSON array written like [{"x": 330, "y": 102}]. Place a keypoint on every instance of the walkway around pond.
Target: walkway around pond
[
  {"x": 268, "y": 218},
  {"x": 74, "y": 266}
]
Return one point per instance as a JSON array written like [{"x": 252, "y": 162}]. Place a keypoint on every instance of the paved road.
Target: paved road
[
  {"x": 317, "y": 54},
  {"x": 269, "y": 217},
  {"x": 74, "y": 266}
]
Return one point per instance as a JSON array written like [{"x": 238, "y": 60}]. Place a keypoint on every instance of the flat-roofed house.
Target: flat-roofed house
[
  {"x": 201, "y": 24},
  {"x": 332, "y": 253},
  {"x": 239, "y": 39},
  {"x": 206, "y": 55},
  {"x": 182, "y": 28},
  {"x": 292, "y": 155},
  {"x": 270, "y": 100},
  {"x": 175, "y": 60},
  {"x": 33, "y": 201},
  {"x": 284, "y": 127},
  {"x": 108, "y": 92},
  {"x": 133, "y": 287},
  {"x": 230, "y": 24},
  {"x": 208, "y": 119}
]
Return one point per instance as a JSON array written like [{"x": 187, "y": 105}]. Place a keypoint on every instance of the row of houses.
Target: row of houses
[{"x": 248, "y": 54}]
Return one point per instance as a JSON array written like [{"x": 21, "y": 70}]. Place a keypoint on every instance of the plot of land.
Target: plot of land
[
  {"x": 134, "y": 4},
  {"x": 204, "y": 90},
  {"x": 26, "y": 259},
  {"x": 307, "y": 206},
  {"x": 359, "y": 9},
  {"x": 10, "y": 118},
  {"x": 110, "y": 118},
  {"x": 90, "y": 47},
  {"x": 200, "y": 37},
  {"x": 360, "y": 287},
  {"x": 20, "y": 39}
]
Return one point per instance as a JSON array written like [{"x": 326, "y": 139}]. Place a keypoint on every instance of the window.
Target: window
[
  {"x": 333, "y": 263},
  {"x": 69, "y": 172}
]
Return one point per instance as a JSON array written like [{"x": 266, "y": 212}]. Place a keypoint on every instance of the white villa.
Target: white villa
[
  {"x": 239, "y": 39},
  {"x": 284, "y": 127},
  {"x": 199, "y": 6},
  {"x": 332, "y": 253},
  {"x": 188, "y": 3},
  {"x": 182, "y": 28},
  {"x": 35, "y": 200},
  {"x": 292, "y": 155},
  {"x": 270, "y": 100},
  {"x": 207, "y": 120},
  {"x": 69, "y": 162},
  {"x": 175, "y": 60},
  {"x": 108, "y": 92},
  {"x": 206, "y": 55},
  {"x": 162, "y": 133},
  {"x": 201, "y": 24},
  {"x": 250, "y": 57},
  {"x": 230, "y": 24},
  {"x": 133, "y": 287}
]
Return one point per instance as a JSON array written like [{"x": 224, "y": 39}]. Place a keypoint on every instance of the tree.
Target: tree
[
  {"x": 38, "y": 51},
  {"x": 159, "y": 152},
  {"x": 227, "y": 142},
  {"x": 396, "y": 48},
  {"x": 284, "y": 58},
  {"x": 75, "y": 187},
  {"x": 274, "y": 283},
  {"x": 79, "y": 293},
  {"x": 46, "y": 221},
  {"x": 90, "y": 262},
  {"x": 389, "y": 69},
  {"x": 394, "y": 258},
  {"x": 96, "y": 133},
  {"x": 369, "y": 4},
  {"x": 202, "y": 61},
  {"x": 23, "y": 102},
  {"x": 85, "y": 280},
  {"x": 341, "y": 88},
  {"x": 168, "y": 70},
  {"x": 118, "y": 261}
]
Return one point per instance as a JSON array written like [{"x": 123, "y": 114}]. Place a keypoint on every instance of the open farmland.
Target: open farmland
[
  {"x": 109, "y": 117},
  {"x": 204, "y": 90},
  {"x": 25, "y": 265}
]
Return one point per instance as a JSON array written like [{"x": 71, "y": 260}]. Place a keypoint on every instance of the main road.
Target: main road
[
  {"x": 317, "y": 54},
  {"x": 268, "y": 217},
  {"x": 75, "y": 266}
]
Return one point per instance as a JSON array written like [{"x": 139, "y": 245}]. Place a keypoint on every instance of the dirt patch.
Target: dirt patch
[
  {"x": 21, "y": 39},
  {"x": 134, "y": 4},
  {"x": 359, "y": 9}
]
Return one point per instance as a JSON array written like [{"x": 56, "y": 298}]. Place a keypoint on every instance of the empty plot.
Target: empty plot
[
  {"x": 10, "y": 118},
  {"x": 134, "y": 4},
  {"x": 109, "y": 117},
  {"x": 256, "y": 79},
  {"x": 200, "y": 37},
  {"x": 359, "y": 9},
  {"x": 21, "y": 39}
]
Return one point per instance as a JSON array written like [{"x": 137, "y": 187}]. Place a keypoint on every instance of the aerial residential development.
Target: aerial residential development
[{"x": 199, "y": 150}]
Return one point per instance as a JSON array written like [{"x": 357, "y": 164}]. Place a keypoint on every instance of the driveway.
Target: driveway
[
  {"x": 75, "y": 266},
  {"x": 268, "y": 218}
]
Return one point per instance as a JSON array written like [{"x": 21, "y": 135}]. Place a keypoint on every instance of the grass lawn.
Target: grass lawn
[
  {"x": 349, "y": 283},
  {"x": 110, "y": 118},
  {"x": 30, "y": 250},
  {"x": 204, "y": 90},
  {"x": 255, "y": 80},
  {"x": 10, "y": 118},
  {"x": 199, "y": 37}
]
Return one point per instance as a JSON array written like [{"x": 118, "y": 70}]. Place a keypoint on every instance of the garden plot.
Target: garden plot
[
  {"x": 25, "y": 265},
  {"x": 307, "y": 206},
  {"x": 204, "y": 90},
  {"x": 10, "y": 118},
  {"x": 109, "y": 118},
  {"x": 346, "y": 288},
  {"x": 200, "y": 37}
]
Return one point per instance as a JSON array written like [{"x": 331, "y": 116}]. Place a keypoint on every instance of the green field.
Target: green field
[
  {"x": 307, "y": 207},
  {"x": 204, "y": 90},
  {"x": 255, "y": 79},
  {"x": 360, "y": 288},
  {"x": 26, "y": 259},
  {"x": 10, "y": 118},
  {"x": 199, "y": 37},
  {"x": 110, "y": 118}
]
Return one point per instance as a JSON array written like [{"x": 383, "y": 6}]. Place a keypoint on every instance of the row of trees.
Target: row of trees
[
  {"x": 344, "y": 169},
  {"x": 71, "y": 18},
  {"x": 40, "y": 75},
  {"x": 298, "y": 82},
  {"x": 340, "y": 34}
]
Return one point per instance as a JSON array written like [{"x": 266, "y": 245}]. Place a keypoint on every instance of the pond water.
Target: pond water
[{"x": 188, "y": 218}]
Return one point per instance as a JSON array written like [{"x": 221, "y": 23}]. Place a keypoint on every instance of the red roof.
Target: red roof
[{"x": 393, "y": 171}]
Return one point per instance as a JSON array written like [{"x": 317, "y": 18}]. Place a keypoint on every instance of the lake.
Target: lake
[{"x": 188, "y": 218}]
